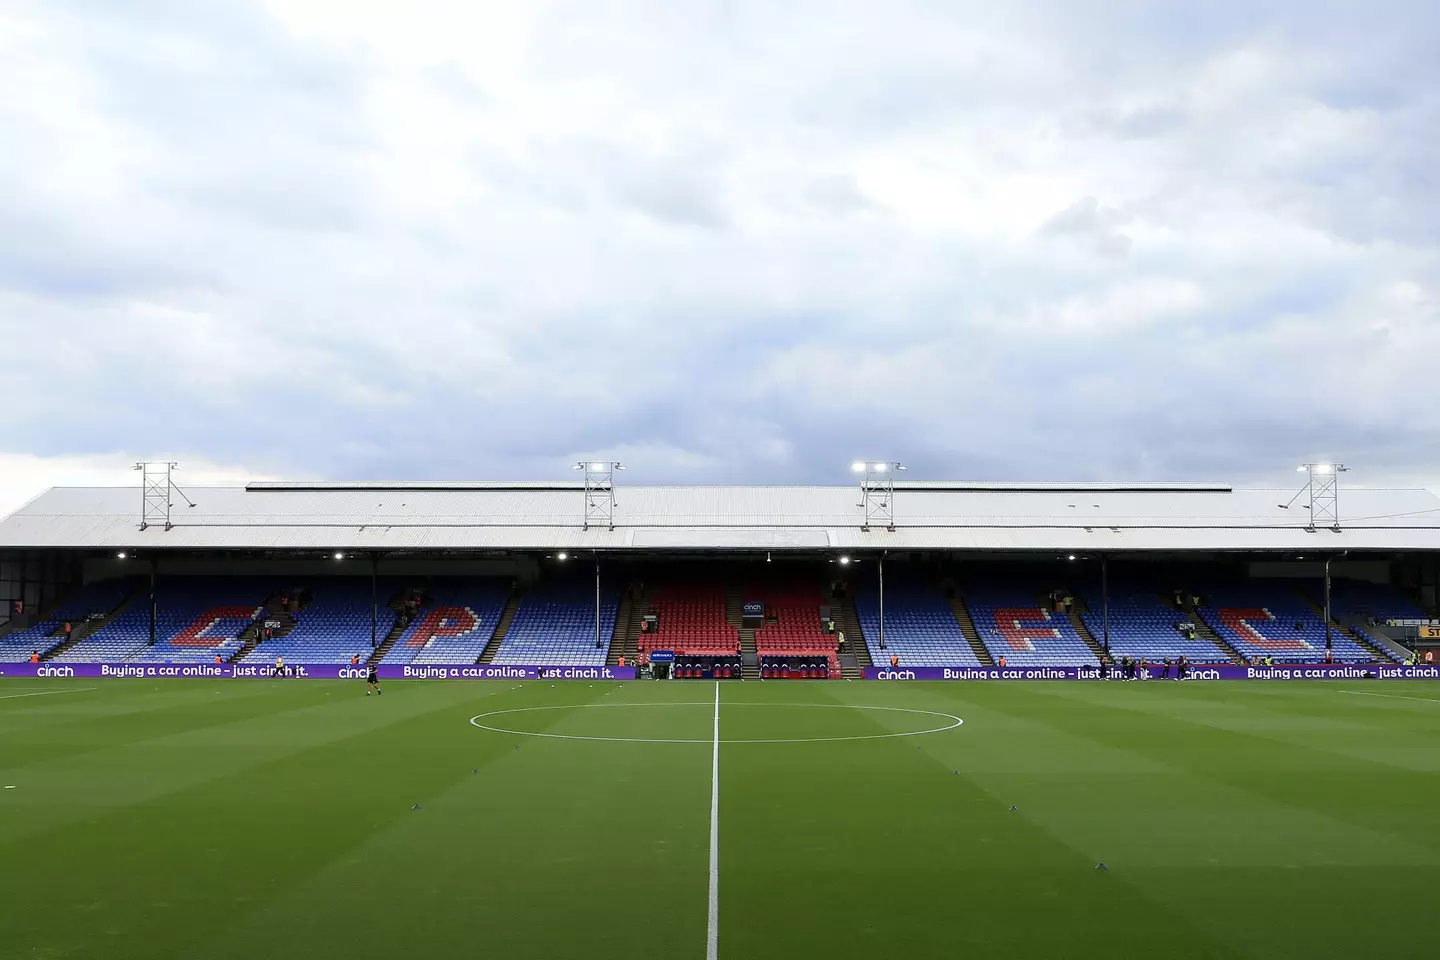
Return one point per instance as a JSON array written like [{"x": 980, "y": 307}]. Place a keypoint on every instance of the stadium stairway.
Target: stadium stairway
[
  {"x": 847, "y": 620},
  {"x": 88, "y": 627},
  {"x": 252, "y": 634},
  {"x": 749, "y": 655},
  {"x": 378, "y": 654},
  {"x": 1382, "y": 656},
  {"x": 961, "y": 610},
  {"x": 507, "y": 617},
  {"x": 626, "y": 642},
  {"x": 622, "y": 624},
  {"x": 1205, "y": 631},
  {"x": 1078, "y": 623},
  {"x": 396, "y": 603}
]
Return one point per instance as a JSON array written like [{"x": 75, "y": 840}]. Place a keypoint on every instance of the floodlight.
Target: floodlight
[
  {"x": 1323, "y": 468},
  {"x": 562, "y": 555},
  {"x": 121, "y": 554},
  {"x": 597, "y": 466},
  {"x": 339, "y": 556},
  {"x": 858, "y": 466},
  {"x": 844, "y": 560},
  {"x": 1072, "y": 556}
]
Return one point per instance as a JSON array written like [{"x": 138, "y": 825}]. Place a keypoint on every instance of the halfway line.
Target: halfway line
[
  {"x": 712, "y": 929},
  {"x": 43, "y": 693},
  {"x": 1388, "y": 696}
]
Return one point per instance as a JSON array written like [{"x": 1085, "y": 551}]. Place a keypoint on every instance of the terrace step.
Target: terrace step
[
  {"x": 617, "y": 632},
  {"x": 87, "y": 628},
  {"x": 961, "y": 610},
  {"x": 626, "y": 642},
  {"x": 1205, "y": 631},
  {"x": 842, "y": 607},
  {"x": 507, "y": 617},
  {"x": 1365, "y": 643},
  {"x": 749, "y": 655},
  {"x": 1078, "y": 622},
  {"x": 395, "y": 633}
]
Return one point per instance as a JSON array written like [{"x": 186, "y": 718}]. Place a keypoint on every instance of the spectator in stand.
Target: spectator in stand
[
  {"x": 1001, "y": 661},
  {"x": 894, "y": 661},
  {"x": 35, "y": 656},
  {"x": 218, "y": 660}
]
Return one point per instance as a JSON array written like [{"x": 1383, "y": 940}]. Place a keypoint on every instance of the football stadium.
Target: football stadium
[{"x": 593, "y": 719}]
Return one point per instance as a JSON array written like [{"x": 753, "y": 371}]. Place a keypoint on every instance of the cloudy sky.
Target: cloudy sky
[{"x": 721, "y": 240}]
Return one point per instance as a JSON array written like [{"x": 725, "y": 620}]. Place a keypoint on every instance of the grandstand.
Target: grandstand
[
  {"x": 456, "y": 619},
  {"x": 330, "y": 623},
  {"x": 920, "y": 627},
  {"x": 319, "y": 573},
  {"x": 555, "y": 624},
  {"x": 1140, "y": 625}
]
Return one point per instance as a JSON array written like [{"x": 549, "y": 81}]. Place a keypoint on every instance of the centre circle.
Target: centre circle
[{"x": 477, "y": 721}]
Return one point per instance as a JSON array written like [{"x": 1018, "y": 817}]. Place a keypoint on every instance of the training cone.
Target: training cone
[
  {"x": 415, "y": 807},
  {"x": 957, "y": 773},
  {"x": 474, "y": 771},
  {"x": 1101, "y": 866},
  {"x": 1014, "y": 809}
]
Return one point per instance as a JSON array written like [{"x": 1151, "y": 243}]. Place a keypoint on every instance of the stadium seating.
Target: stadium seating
[
  {"x": 1142, "y": 625},
  {"x": 92, "y": 599},
  {"x": 1368, "y": 601},
  {"x": 798, "y": 668},
  {"x": 1013, "y": 625},
  {"x": 334, "y": 625},
  {"x": 692, "y": 621},
  {"x": 455, "y": 622},
  {"x": 1269, "y": 619},
  {"x": 195, "y": 618},
  {"x": 920, "y": 627},
  {"x": 707, "y": 668},
  {"x": 554, "y": 625},
  {"x": 792, "y": 627}
]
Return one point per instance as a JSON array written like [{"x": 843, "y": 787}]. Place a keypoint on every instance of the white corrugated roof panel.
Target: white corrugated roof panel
[{"x": 519, "y": 516}]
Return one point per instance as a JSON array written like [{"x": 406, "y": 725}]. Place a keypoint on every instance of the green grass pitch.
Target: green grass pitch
[{"x": 245, "y": 819}]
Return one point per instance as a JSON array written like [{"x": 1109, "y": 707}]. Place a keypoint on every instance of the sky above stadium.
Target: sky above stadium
[{"x": 720, "y": 241}]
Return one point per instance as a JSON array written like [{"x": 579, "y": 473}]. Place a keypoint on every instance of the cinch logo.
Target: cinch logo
[
  {"x": 353, "y": 673},
  {"x": 54, "y": 672},
  {"x": 895, "y": 675}
]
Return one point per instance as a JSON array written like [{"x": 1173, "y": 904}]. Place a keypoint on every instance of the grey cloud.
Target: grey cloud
[
  {"x": 1088, "y": 221},
  {"x": 746, "y": 247}
]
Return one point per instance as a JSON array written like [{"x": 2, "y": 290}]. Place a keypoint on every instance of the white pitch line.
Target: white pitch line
[
  {"x": 43, "y": 693},
  {"x": 1388, "y": 696},
  {"x": 712, "y": 927}
]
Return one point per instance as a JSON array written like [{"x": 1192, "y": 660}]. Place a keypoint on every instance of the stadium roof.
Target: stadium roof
[{"x": 542, "y": 516}]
